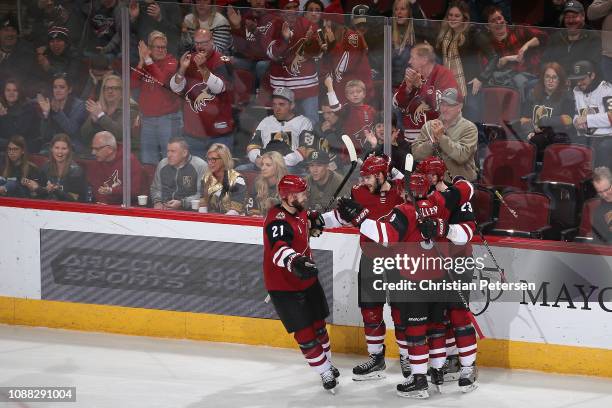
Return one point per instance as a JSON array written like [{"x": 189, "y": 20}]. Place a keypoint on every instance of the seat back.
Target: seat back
[
  {"x": 563, "y": 203},
  {"x": 148, "y": 173},
  {"x": 38, "y": 159},
  {"x": 586, "y": 225},
  {"x": 507, "y": 162},
  {"x": 533, "y": 211},
  {"x": 483, "y": 203},
  {"x": 501, "y": 106},
  {"x": 567, "y": 163}
]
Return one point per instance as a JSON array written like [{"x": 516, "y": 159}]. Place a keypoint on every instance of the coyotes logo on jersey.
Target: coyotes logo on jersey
[
  {"x": 539, "y": 112},
  {"x": 113, "y": 181},
  {"x": 198, "y": 96},
  {"x": 295, "y": 66}
]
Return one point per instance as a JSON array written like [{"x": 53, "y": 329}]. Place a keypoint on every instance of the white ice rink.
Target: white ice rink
[{"x": 124, "y": 371}]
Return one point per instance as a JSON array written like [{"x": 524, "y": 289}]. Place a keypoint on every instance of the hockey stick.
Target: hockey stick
[
  {"x": 501, "y": 199},
  {"x": 354, "y": 161}
]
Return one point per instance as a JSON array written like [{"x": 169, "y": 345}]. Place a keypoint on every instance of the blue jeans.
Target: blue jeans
[
  {"x": 199, "y": 146},
  {"x": 155, "y": 133},
  {"x": 309, "y": 107}
]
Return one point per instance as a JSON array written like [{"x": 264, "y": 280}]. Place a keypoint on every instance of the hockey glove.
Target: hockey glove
[
  {"x": 317, "y": 224},
  {"x": 432, "y": 228},
  {"x": 351, "y": 211},
  {"x": 302, "y": 266}
]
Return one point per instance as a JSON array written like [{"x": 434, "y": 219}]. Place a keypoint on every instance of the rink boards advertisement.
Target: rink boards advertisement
[{"x": 205, "y": 269}]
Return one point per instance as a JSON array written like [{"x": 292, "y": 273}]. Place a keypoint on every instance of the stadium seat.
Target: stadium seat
[
  {"x": 485, "y": 207},
  {"x": 533, "y": 216},
  {"x": 39, "y": 159},
  {"x": 502, "y": 106},
  {"x": 507, "y": 163},
  {"x": 244, "y": 86},
  {"x": 584, "y": 232},
  {"x": 148, "y": 173},
  {"x": 433, "y": 9}
]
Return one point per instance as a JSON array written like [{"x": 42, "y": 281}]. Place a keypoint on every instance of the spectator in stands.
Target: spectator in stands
[
  {"x": 575, "y": 42},
  {"x": 248, "y": 31},
  {"x": 322, "y": 181},
  {"x": 547, "y": 114},
  {"x": 292, "y": 45},
  {"x": 150, "y": 15},
  {"x": 99, "y": 68},
  {"x": 451, "y": 136},
  {"x": 203, "y": 78},
  {"x": 593, "y": 98},
  {"x": 417, "y": 97},
  {"x": 356, "y": 116},
  {"x": 602, "y": 9},
  {"x": 205, "y": 15},
  {"x": 16, "y": 55},
  {"x": 106, "y": 175},
  {"x": 347, "y": 59},
  {"x": 57, "y": 57},
  {"x": 102, "y": 33},
  {"x": 62, "y": 113},
  {"x": 518, "y": 49},
  {"x": 312, "y": 12},
  {"x": 602, "y": 215},
  {"x": 18, "y": 116},
  {"x": 263, "y": 195},
  {"x": 331, "y": 130},
  {"x": 177, "y": 177},
  {"x": 19, "y": 173},
  {"x": 59, "y": 13},
  {"x": 107, "y": 113},
  {"x": 399, "y": 146},
  {"x": 63, "y": 179},
  {"x": 224, "y": 190},
  {"x": 280, "y": 131},
  {"x": 160, "y": 107},
  {"x": 461, "y": 46},
  {"x": 406, "y": 14}
]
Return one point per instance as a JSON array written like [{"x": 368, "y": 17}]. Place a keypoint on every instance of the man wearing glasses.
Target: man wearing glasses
[
  {"x": 602, "y": 216},
  {"x": 106, "y": 175},
  {"x": 177, "y": 177}
]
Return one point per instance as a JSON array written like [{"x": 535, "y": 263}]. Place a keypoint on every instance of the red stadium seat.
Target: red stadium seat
[
  {"x": 39, "y": 159},
  {"x": 433, "y": 8},
  {"x": 533, "y": 216},
  {"x": 501, "y": 106},
  {"x": 507, "y": 162},
  {"x": 485, "y": 207},
  {"x": 585, "y": 231},
  {"x": 567, "y": 163}
]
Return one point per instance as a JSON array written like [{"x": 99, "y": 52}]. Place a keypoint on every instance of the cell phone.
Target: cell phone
[{"x": 320, "y": 34}]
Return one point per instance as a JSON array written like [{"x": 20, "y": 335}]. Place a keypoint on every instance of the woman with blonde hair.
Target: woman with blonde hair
[
  {"x": 106, "y": 114},
  {"x": 223, "y": 188},
  {"x": 264, "y": 194},
  {"x": 460, "y": 45}
]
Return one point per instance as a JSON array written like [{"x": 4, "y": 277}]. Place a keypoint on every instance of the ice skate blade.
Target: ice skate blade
[
  {"x": 332, "y": 391},
  {"x": 375, "y": 376},
  {"x": 452, "y": 376},
  {"x": 421, "y": 394},
  {"x": 468, "y": 388}
]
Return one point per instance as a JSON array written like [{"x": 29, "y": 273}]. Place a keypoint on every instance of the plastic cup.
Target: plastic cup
[{"x": 142, "y": 200}]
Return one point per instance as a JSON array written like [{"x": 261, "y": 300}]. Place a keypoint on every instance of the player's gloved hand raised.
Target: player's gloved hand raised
[
  {"x": 302, "y": 266},
  {"x": 432, "y": 228},
  {"x": 317, "y": 224},
  {"x": 351, "y": 211}
]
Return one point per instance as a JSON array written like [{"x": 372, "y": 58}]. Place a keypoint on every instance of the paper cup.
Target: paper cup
[
  {"x": 195, "y": 204},
  {"x": 142, "y": 200}
]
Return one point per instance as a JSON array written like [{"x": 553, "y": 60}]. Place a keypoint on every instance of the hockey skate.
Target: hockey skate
[
  {"x": 335, "y": 371},
  {"x": 405, "y": 366},
  {"x": 437, "y": 378},
  {"x": 373, "y": 369},
  {"x": 467, "y": 378},
  {"x": 451, "y": 368},
  {"x": 329, "y": 380},
  {"x": 415, "y": 386}
]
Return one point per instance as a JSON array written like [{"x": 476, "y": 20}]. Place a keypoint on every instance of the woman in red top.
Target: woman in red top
[{"x": 160, "y": 107}]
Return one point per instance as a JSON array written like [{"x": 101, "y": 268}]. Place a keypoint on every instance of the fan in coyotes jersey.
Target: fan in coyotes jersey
[
  {"x": 460, "y": 334},
  {"x": 420, "y": 315},
  {"x": 290, "y": 275},
  {"x": 418, "y": 96},
  {"x": 379, "y": 195}
]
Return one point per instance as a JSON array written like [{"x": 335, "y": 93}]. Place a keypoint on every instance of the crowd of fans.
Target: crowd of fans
[{"x": 228, "y": 97}]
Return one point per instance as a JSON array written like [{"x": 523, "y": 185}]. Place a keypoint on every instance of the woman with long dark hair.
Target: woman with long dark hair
[
  {"x": 18, "y": 116},
  {"x": 63, "y": 179},
  {"x": 20, "y": 177}
]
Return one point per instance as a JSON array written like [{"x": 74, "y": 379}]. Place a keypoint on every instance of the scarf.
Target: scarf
[{"x": 452, "y": 59}]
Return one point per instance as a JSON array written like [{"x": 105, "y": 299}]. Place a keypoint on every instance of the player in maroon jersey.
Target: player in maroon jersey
[
  {"x": 290, "y": 275},
  {"x": 379, "y": 195}
]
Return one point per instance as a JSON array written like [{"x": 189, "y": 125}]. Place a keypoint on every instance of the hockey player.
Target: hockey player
[
  {"x": 461, "y": 345},
  {"x": 290, "y": 276},
  {"x": 378, "y": 195}
]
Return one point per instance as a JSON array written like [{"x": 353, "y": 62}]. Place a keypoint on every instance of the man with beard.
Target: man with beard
[
  {"x": 378, "y": 195},
  {"x": 290, "y": 275},
  {"x": 204, "y": 79}
]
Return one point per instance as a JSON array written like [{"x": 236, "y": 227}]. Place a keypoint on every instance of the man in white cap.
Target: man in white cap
[{"x": 451, "y": 136}]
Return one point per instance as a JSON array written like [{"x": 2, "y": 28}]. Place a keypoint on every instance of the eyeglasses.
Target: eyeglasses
[
  {"x": 159, "y": 47},
  {"x": 212, "y": 159},
  {"x": 14, "y": 149},
  {"x": 551, "y": 77},
  {"x": 95, "y": 149},
  {"x": 112, "y": 88},
  {"x": 605, "y": 191}
]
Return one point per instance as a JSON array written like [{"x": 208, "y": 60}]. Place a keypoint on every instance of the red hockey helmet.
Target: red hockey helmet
[
  {"x": 374, "y": 165},
  {"x": 291, "y": 184},
  {"x": 419, "y": 185},
  {"x": 432, "y": 165}
]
